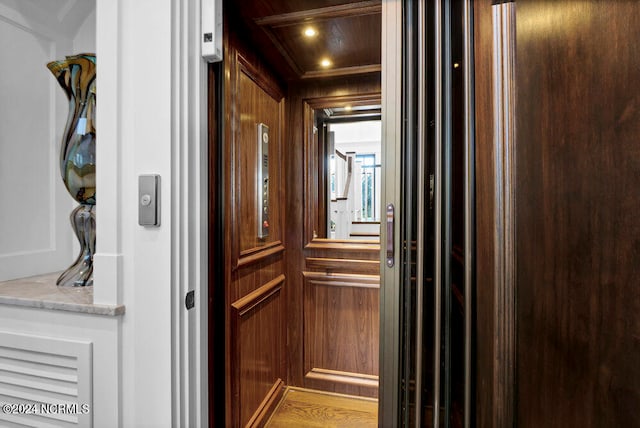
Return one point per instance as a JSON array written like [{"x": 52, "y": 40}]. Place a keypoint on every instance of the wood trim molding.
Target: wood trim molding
[
  {"x": 268, "y": 405},
  {"x": 367, "y": 267},
  {"x": 244, "y": 66},
  {"x": 343, "y": 71},
  {"x": 253, "y": 299},
  {"x": 343, "y": 100},
  {"x": 347, "y": 378},
  {"x": 504, "y": 38},
  {"x": 284, "y": 52},
  {"x": 254, "y": 250},
  {"x": 342, "y": 280},
  {"x": 372, "y": 246},
  {"x": 256, "y": 254},
  {"x": 368, "y": 7}
]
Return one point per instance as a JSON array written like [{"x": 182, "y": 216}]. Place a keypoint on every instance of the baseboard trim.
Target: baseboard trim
[{"x": 268, "y": 405}]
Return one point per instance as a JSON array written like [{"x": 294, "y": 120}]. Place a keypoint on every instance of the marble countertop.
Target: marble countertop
[{"x": 42, "y": 292}]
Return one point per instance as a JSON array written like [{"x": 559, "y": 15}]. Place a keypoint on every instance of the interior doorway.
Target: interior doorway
[
  {"x": 291, "y": 307},
  {"x": 301, "y": 298}
]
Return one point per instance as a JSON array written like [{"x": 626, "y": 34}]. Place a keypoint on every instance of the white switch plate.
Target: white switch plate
[{"x": 211, "y": 30}]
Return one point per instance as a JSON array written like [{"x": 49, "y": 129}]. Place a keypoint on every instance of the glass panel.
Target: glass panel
[
  {"x": 456, "y": 288},
  {"x": 438, "y": 160}
]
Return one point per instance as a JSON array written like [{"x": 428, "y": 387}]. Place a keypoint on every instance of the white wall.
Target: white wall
[
  {"x": 150, "y": 119},
  {"x": 145, "y": 148},
  {"x": 359, "y": 137},
  {"x": 85, "y": 38},
  {"x": 152, "y": 122},
  {"x": 133, "y": 263}
]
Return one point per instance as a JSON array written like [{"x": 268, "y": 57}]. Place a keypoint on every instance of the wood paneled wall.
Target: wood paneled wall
[
  {"x": 486, "y": 406},
  {"x": 574, "y": 347},
  {"x": 341, "y": 316},
  {"x": 281, "y": 326},
  {"x": 254, "y": 279},
  {"x": 333, "y": 287},
  {"x": 341, "y": 324},
  {"x": 577, "y": 226}
]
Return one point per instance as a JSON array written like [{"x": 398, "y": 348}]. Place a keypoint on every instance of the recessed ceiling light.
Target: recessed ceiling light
[
  {"x": 310, "y": 32},
  {"x": 347, "y": 108},
  {"x": 325, "y": 63}
]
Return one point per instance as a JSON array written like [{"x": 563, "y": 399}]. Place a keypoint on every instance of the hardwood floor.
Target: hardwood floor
[{"x": 308, "y": 408}]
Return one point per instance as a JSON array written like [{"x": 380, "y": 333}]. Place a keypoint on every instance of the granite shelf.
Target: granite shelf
[{"x": 42, "y": 292}]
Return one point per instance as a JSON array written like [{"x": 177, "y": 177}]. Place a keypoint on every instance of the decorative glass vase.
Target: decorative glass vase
[{"x": 77, "y": 76}]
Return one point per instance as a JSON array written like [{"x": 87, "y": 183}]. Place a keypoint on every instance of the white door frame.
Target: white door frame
[{"x": 190, "y": 212}]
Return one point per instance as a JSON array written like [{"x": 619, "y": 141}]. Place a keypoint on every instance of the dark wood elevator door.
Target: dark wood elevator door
[{"x": 578, "y": 213}]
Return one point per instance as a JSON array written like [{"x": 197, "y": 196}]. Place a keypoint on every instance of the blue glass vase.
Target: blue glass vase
[{"x": 77, "y": 76}]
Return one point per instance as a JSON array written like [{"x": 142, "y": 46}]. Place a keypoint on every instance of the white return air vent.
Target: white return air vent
[{"x": 51, "y": 378}]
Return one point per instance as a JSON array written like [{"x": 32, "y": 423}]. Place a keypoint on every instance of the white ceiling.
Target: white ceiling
[
  {"x": 51, "y": 7},
  {"x": 352, "y": 132},
  {"x": 358, "y": 137},
  {"x": 62, "y": 17}
]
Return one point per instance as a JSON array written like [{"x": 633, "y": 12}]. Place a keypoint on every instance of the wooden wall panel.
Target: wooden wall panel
[
  {"x": 578, "y": 230},
  {"x": 247, "y": 279},
  {"x": 341, "y": 323},
  {"x": 256, "y": 100},
  {"x": 485, "y": 216},
  {"x": 257, "y": 348},
  {"x": 295, "y": 208},
  {"x": 254, "y": 277},
  {"x": 495, "y": 169},
  {"x": 354, "y": 266}
]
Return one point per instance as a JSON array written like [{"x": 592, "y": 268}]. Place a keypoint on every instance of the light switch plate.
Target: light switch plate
[{"x": 149, "y": 200}]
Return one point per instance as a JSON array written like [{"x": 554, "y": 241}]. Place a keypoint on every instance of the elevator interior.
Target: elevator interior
[{"x": 302, "y": 295}]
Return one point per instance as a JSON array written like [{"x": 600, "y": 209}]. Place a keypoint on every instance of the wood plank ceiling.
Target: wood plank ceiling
[{"x": 346, "y": 35}]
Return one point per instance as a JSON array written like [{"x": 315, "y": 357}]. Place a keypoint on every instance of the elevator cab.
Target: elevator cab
[
  {"x": 304, "y": 146},
  {"x": 425, "y": 205}
]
